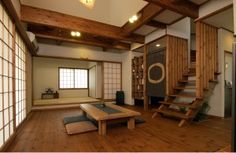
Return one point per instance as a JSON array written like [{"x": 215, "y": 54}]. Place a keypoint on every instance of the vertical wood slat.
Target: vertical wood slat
[
  {"x": 198, "y": 60},
  {"x": 168, "y": 65},
  {"x": 176, "y": 62},
  {"x": 146, "y": 99},
  {"x": 206, "y": 56}
]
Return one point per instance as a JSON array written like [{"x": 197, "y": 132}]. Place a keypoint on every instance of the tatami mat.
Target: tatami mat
[{"x": 62, "y": 101}]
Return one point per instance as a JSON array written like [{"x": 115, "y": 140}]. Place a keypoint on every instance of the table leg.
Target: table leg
[
  {"x": 84, "y": 113},
  {"x": 131, "y": 123},
  {"x": 102, "y": 127}
]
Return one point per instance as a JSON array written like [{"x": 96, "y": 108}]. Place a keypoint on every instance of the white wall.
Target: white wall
[
  {"x": 45, "y": 75},
  {"x": 127, "y": 75},
  {"x": 216, "y": 102},
  {"x": 78, "y": 51}
]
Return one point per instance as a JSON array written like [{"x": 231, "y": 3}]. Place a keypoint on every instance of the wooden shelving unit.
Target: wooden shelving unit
[{"x": 137, "y": 78}]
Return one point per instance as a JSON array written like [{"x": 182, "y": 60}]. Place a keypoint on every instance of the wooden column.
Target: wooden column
[{"x": 146, "y": 98}]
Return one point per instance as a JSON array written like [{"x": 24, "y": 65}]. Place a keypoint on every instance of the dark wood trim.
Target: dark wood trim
[
  {"x": 229, "y": 52},
  {"x": 137, "y": 48},
  {"x": 186, "y": 8},
  {"x": 70, "y": 58},
  {"x": 83, "y": 40},
  {"x": 214, "y": 13},
  {"x": 12, "y": 13},
  {"x": 157, "y": 24}
]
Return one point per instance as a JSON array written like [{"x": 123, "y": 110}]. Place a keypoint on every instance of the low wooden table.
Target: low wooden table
[{"x": 102, "y": 117}]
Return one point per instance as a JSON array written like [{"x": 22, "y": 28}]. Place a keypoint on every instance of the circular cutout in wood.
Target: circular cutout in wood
[{"x": 161, "y": 66}]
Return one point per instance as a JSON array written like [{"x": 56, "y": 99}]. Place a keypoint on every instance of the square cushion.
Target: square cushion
[
  {"x": 80, "y": 127},
  {"x": 73, "y": 119}
]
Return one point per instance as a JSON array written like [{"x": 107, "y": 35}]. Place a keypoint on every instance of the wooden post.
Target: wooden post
[{"x": 146, "y": 99}]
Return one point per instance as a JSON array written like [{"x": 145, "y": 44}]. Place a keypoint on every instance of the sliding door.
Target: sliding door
[
  {"x": 12, "y": 78},
  {"x": 20, "y": 80},
  {"x": 6, "y": 77},
  {"x": 111, "y": 80}
]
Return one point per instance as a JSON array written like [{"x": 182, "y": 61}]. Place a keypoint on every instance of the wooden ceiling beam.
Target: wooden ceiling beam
[
  {"x": 157, "y": 24},
  {"x": 64, "y": 36},
  {"x": 146, "y": 15},
  {"x": 184, "y": 7},
  {"x": 59, "y": 20}
]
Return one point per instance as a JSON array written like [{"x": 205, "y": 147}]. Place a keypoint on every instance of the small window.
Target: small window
[{"x": 71, "y": 78}]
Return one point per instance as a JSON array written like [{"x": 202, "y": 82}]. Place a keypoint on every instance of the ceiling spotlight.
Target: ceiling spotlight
[
  {"x": 134, "y": 18},
  {"x": 158, "y": 45},
  {"x": 75, "y": 34}
]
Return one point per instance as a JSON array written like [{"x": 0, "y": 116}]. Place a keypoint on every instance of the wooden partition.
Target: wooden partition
[
  {"x": 176, "y": 61},
  {"x": 206, "y": 56}
]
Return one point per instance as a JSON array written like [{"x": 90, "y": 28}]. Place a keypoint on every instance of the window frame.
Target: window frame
[{"x": 59, "y": 78}]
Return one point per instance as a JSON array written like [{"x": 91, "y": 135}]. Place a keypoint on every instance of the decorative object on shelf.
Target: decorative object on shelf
[
  {"x": 49, "y": 90},
  {"x": 137, "y": 78},
  {"x": 49, "y": 94}
]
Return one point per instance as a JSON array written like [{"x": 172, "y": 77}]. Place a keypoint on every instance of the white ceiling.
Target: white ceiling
[
  {"x": 199, "y": 2},
  {"x": 145, "y": 30},
  {"x": 114, "y": 12},
  {"x": 167, "y": 16},
  {"x": 222, "y": 20}
]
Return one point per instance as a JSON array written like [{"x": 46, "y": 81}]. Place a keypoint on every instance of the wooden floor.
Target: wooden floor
[{"x": 44, "y": 131}]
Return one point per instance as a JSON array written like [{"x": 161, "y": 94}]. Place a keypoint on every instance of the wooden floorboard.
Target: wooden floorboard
[{"x": 44, "y": 131}]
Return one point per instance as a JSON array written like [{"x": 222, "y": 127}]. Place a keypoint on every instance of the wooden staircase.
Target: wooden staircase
[{"x": 183, "y": 104}]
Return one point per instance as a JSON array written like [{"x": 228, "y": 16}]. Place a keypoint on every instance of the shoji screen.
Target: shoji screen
[
  {"x": 6, "y": 77},
  {"x": 112, "y": 80},
  {"x": 20, "y": 79}
]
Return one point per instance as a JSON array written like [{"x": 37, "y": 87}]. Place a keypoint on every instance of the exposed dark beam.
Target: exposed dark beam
[
  {"x": 157, "y": 24},
  {"x": 146, "y": 15},
  {"x": 59, "y": 20},
  {"x": 184, "y": 7},
  {"x": 63, "y": 35}
]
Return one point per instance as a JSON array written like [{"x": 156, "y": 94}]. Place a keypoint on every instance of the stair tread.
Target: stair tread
[
  {"x": 189, "y": 74},
  {"x": 183, "y": 95},
  {"x": 184, "y": 87},
  {"x": 187, "y": 81},
  {"x": 181, "y": 104},
  {"x": 173, "y": 113}
]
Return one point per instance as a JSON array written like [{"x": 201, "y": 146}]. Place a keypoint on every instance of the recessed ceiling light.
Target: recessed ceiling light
[
  {"x": 75, "y": 34},
  {"x": 133, "y": 18},
  {"x": 158, "y": 45},
  {"x": 78, "y": 34}
]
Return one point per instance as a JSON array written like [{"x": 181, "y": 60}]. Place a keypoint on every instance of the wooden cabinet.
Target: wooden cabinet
[{"x": 137, "y": 78}]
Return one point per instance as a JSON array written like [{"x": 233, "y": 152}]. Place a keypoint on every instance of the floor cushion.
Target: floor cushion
[
  {"x": 80, "y": 127},
  {"x": 73, "y": 119}
]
